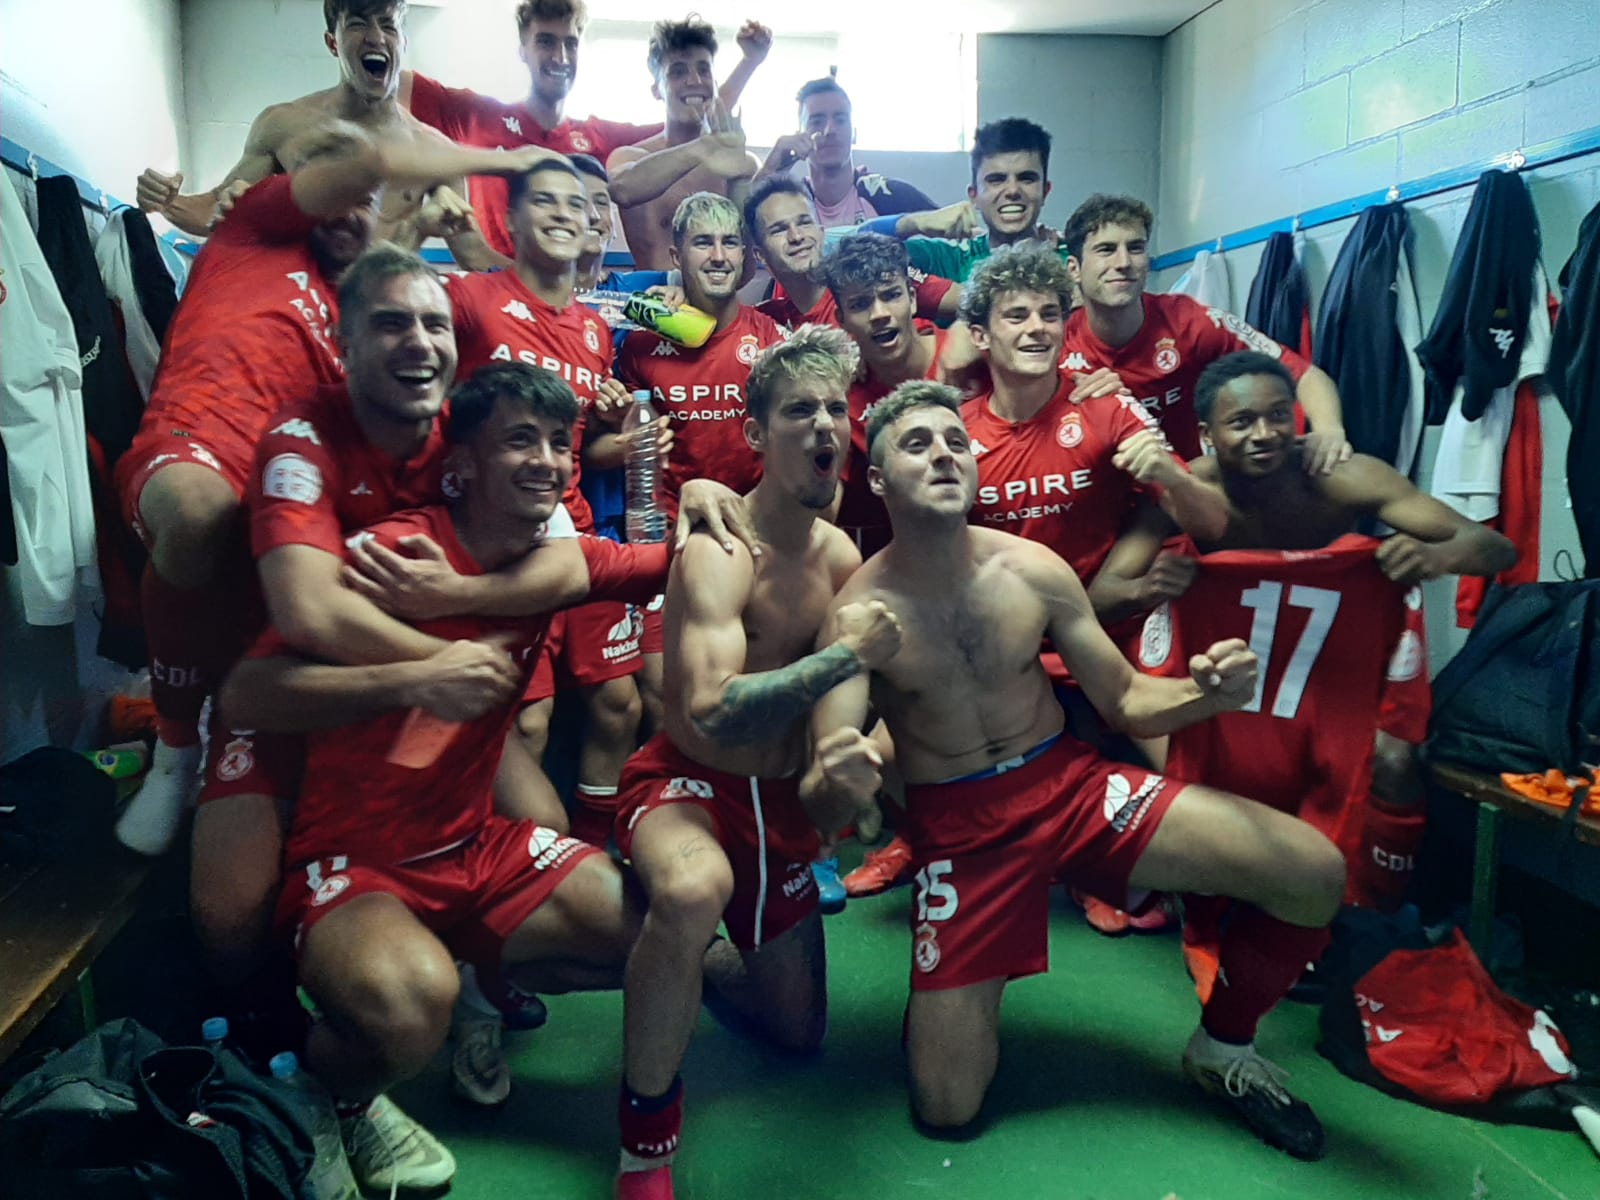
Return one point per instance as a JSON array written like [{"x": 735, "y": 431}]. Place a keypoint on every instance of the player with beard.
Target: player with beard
[
  {"x": 710, "y": 817},
  {"x": 400, "y": 862},
  {"x": 1313, "y": 747},
  {"x": 1000, "y": 799},
  {"x": 700, "y": 149},
  {"x": 1160, "y": 344},
  {"x": 267, "y": 278},
  {"x": 700, "y": 390},
  {"x": 368, "y": 38},
  {"x": 781, "y": 223},
  {"x": 1010, "y": 180}
]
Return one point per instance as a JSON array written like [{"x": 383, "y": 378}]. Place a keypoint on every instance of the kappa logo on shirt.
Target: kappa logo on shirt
[
  {"x": 1075, "y": 361},
  {"x": 361, "y": 489},
  {"x": 519, "y": 310},
  {"x": 513, "y": 124},
  {"x": 664, "y": 350},
  {"x": 297, "y": 427},
  {"x": 978, "y": 448}
]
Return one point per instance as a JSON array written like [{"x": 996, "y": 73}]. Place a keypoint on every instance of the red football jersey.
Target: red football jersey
[
  {"x": 317, "y": 476},
  {"x": 927, "y": 292},
  {"x": 1325, "y": 625},
  {"x": 1050, "y": 479},
  {"x": 498, "y": 319},
  {"x": 254, "y": 330},
  {"x": 1177, "y": 341},
  {"x": 703, "y": 392},
  {"x": 476, "y": 120}
]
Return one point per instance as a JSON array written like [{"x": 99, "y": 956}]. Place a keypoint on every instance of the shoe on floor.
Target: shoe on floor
[
  {"x": 831, "y": 895},
  {"x": 882, "y": 869},
  {"x": 654, "y": 1184},
  {"x": 388, "y": 1149},
  {"x": 152, "y": 818},
  {"x": 478, "y": 1070},
  {"x": 1253, "y": 1087},
  {"x": 1202, "y": 963},
  {"x": 1156, "y": 917},
  {"x": 1102, "y": 917}
]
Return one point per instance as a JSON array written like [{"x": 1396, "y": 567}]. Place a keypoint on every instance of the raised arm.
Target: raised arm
[
  {"x": 639, "y": 176},
  {"x": 1221, "y": 679},
  {"x": 1198, "y": 507},
  {"x": 1431, "y": 539},
  {"x": 755, "y": 43},
  {"x": 842, "y": 780},
  {"x": 1325, "y": 445}
]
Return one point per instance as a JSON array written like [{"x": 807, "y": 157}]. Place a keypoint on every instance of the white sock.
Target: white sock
[{"x": 151, "y": 820}]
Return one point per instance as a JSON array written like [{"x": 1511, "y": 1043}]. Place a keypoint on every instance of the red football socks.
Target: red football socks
[
  {"x": 1390, "y": 838},
  {"x": 1260, "y": 959}
]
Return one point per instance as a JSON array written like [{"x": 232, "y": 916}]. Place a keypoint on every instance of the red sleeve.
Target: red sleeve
[
  {"x": 266, "y": 213},
  {"x": 449, "y": 110},
  {"x": 1233, "y": 333},
  {"x": 611, "y": 134},
  {"x": 930, "y": 291},
  {"x": 462, "y": 314},
  {"x": 633, "y": 573},
  {"x": 294, "y": 489}
]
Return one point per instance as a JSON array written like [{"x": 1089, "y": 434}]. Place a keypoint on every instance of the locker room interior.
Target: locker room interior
[{"x": 1224, "y": 117}]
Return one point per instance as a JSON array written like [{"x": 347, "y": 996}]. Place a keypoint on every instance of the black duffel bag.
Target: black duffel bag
[
  {"x": 121, "y": 1115},
  {"x": 1524, "y": 692}
]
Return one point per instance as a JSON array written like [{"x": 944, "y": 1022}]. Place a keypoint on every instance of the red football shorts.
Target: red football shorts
[
  {"x": 760, "y": 825},
  {"x": 987, "y": 848},
  {"x": 248, "y": 763},
  {"x": 654, "y": 642},
  {"x": 219, "y": 449},
  {"x": 586, "y": 646},
  {"x": 473, "y": 896}
]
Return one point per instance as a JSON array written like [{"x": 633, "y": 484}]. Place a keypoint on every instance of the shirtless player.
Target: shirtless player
[
  {"x": 701, "y": 149},
  {"x": 999, "y": 800},
  {"x": 709, "y": 814},
  {"x": 367, "y": 38}
]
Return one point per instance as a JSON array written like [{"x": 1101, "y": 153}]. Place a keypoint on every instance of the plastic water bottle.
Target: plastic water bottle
[
  {"x": 330, "y": 1177},
  {"x": 214, "y": 1031},
  {"x": 644, "y": 518}
]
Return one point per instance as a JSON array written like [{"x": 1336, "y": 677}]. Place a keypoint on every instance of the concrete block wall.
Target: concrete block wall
[{"x": 1343, "y": 97}]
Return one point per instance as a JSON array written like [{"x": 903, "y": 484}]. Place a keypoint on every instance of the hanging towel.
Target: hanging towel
[
  {"x": 1574, "y": 375},
  {"x": 1368, "y": 320},
  {"x": 1206, "y": 280},
  {"x": 1477, "y": 334},
  {"x": 41, "y": 424},
  {"x": 1280, "y": 298}
]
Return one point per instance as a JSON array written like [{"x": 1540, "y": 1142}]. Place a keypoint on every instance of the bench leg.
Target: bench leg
[
  {"x": 1485, "y": 880},
  {"x": 86, "y": 1005}
]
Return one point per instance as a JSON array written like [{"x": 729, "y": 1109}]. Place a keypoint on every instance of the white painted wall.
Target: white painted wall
[
  {"x": 1272, "y": 107},
  {"x": 94, "y": 85}
]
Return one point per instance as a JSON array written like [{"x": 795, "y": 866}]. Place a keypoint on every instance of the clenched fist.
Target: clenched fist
[
  {"x": 466, "y": 680},
  {"x": 1147, "y": 457},
  {"x": 870, "y": 630},
  {"x": 1226, "y": 673},
  {"x": 852, "y": 770},
  {"x": 156, "y": 191}
]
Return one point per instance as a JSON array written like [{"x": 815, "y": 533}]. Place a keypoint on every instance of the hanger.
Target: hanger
[{"x": 33, "y": 165}]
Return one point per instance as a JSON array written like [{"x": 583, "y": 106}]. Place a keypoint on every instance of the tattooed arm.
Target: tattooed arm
[{"x": 725, "y": 704}]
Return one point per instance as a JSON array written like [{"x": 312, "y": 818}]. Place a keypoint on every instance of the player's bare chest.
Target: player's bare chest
[{"x": 785, "y": 611}]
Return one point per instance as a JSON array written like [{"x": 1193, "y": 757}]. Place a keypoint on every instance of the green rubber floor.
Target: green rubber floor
[{"x": 1089, "y": 1103}]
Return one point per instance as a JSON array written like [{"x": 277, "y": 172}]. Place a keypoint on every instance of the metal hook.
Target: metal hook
[
  {"x": 1517, "y": 161},
  {"x": 1393, "y": 194},
  {"x": 1294, "y": 223},
  {"x": 105, "y": 204},
  {"x": 1217, "y": 249},
  {"x": 33, "y": 165}
]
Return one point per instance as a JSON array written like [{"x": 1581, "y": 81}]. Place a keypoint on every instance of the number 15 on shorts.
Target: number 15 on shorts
[{"x": 936, "y": 899}]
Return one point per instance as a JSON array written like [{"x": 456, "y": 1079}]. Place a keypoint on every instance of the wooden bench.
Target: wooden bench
[
  {"x": 55, "y": 919},
  {"x": 1495, "y": 802}
]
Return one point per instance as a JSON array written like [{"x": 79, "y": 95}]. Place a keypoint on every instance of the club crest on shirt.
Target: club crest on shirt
[
  {"x": 1155, "y": 641},
  {"x": 925, "y": 948},
  {"x": 329, "y": 888},
  {"x": 591, "y": 336},
  {"x": 581, "y": 143},
  {"x": 749, "y": 347},
  {"x": 236, "y": 760},
  {"x": 1070, "y": 432},
  {"x": 1167, "y": 357}
]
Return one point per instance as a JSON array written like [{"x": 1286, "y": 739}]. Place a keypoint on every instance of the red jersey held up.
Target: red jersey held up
[
  {"x": 703, "y": 392},
  {"x": 497, "y": 319},
  {"x": 1180, "y": 337},
  {"x": 1325, "y": 625},
  {"x": 317, "y": 476},
  {"x": 1050, "y": 479},
  {"x": 253, "y": 332},
  {"x": 476, "y": 120}
]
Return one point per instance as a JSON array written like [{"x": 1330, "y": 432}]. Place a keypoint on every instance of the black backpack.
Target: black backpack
[
  {"x": 1524, "y": 692},
  {"x": 123, "y": 1116}
]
